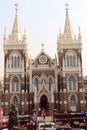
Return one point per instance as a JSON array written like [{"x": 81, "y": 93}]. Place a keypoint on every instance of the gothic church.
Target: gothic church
[{"x": 43, "y": 81}]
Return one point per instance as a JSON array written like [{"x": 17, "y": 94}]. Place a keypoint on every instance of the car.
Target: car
[{"x": 46, "y": 126}]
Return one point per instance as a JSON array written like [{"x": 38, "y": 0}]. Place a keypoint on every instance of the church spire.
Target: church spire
[
  {"x": 16, "y": 33},
  {"x": 68, "y": 31}
]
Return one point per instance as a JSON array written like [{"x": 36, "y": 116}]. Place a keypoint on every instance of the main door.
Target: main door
[{"x": 44, "y": 102}]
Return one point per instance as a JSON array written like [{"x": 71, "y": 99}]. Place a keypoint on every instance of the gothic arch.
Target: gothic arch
[
  {"x": 72, "y": 83},
  {"x": 71, "y": 96},
  {"x": 73, "y": 102},
  {"x": 16, "y": 53},
  {"x": 15, "y": 84},
  {"x": 50, "y": 76},
  {"x": 15, "y": 59},
  {"x": 70, "y": 52},
  {"x": 44, "y": 102},
  {"x": 43, "y": 78},
  {"x": 46, "y": 93},
  {"x": 36, "y": 77},
  {"x": 36, "y": 82},
  {"x": 12, "y": 100},
  {"x": 71, "y": 58}
]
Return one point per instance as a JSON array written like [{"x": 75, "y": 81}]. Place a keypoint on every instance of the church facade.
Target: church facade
[{"x": 43, "y": 81}]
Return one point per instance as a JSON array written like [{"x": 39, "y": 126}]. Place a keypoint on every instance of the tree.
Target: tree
[{"x": 13, "y": 118}]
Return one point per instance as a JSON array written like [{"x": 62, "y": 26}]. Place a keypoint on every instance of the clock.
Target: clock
[{"x": 42, "y": 59}]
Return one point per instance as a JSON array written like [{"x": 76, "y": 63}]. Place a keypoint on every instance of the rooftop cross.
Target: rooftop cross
[
  {"x": 16, "y": 8},
  {"x": 42, "y": 46},
  {"x": 66, "y": 7}
]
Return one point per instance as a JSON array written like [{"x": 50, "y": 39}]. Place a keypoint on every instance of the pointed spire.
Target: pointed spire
[
  {"x": 79, "y": 36},
  {"x": 60, "y": 33},
  {"x": 79, "y": 32},
  {"x": 5, "y": 36},
  {"x": 24, "y": 33},
  {"x": 55, "y": 59},
  {"x": 68, "y": 28},
  {"x": 16, "y": 33},
  {"x": 4, "y": 32}
]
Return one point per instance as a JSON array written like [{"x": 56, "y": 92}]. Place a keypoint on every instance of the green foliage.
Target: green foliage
[{"x": 13, "y": 119}]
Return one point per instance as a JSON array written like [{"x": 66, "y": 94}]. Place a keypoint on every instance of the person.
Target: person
[
  {"x": 30, "y": 125},
  {"x": 43, "y": 114},
  {"x": 34, "y": 118},
  {"x": 39, "y": 111}
]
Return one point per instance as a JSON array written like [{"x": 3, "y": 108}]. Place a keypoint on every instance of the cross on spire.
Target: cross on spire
[
  {"x": 16, "y": 8},
  {"x": 66, "y": 7},
  {"x": 42, "y": 46}
]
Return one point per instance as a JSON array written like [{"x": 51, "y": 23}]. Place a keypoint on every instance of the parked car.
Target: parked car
[{"x": 46, "y": 125}]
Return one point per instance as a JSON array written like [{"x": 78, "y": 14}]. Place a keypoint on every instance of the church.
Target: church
[{"x": 43, "y": 82}]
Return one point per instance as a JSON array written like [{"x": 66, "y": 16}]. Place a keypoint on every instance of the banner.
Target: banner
[{"x": 1, "y": 112}]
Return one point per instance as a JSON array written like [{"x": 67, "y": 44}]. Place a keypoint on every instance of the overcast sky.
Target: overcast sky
[{"x": 42, "y": 20}]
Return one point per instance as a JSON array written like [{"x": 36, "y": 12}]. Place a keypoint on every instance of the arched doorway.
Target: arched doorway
[{"x": 44, "y": 102}]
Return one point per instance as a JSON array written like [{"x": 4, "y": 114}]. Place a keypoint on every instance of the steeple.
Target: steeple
[
  {"x": 16, "y": 33},
  {"x": 68, "y": 31},
  {"x": 79, "y": 36}
]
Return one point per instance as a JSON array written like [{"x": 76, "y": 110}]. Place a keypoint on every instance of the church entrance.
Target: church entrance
[{"x": 44, "y": 102}]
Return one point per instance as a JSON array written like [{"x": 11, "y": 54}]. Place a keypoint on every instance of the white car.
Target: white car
[{"x": 46, "y": 126}]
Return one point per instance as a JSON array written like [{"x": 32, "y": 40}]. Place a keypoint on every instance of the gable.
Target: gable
[{"x": 43, "y": 59}]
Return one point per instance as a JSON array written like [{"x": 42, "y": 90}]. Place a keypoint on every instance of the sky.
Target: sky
[{"x": 42, "y": 20}]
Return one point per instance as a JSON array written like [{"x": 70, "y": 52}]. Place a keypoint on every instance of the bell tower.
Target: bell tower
[
  {"x": 15, "y": 64},
  {"x": 69, "y": 50}
]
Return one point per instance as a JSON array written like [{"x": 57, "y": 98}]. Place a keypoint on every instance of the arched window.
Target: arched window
[
  {"x": 50, "y": 83},
  {"x": 36, "y": 83},
  {"x": 67, "y": 60},
  {"x": 12, "y": 62},
  {"x": 36, "y": 63},
  {"x": 15, "y": 60},
  {"x": 15, "y": 85},
  {"x": 71, "y": 83},
  {"x": 73, "y": 103},
  {"x": 71, "y": 61},
  {"x": 18, "y": 61},
  {"x": 15, "y": 101},
  {"x": 71, "y": 58},
  {"x": 43, "y": 80},
  {"x": 49, "y": 63}
]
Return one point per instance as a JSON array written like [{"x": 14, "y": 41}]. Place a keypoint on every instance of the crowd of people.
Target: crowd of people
[{"x": 32, "y": 122}]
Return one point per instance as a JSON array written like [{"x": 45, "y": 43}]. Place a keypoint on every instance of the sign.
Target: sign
[{"x": 1, "y": 112}]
